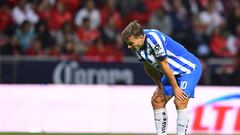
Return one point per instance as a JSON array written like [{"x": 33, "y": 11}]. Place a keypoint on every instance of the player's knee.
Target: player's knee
[
  {"x": 180, "y": 104},
  {"x": 158, "y": 101}
]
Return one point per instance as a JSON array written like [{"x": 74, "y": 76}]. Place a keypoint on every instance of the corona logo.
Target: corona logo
[{"x": 72, "y": 72}]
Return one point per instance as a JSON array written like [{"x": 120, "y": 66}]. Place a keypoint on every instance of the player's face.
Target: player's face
[{"x": 135, "y": 43}]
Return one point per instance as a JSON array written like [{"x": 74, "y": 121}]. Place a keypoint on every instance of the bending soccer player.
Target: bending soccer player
[{"x": 175, "y": 71}]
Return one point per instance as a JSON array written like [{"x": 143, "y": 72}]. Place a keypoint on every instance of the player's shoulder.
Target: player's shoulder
[
  {"x": 155, "y": 36},
  {"x": 147, "y": 31},
  {"x": 154, "y": 33}
]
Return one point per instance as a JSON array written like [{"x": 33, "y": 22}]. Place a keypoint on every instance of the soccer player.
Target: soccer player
[{"x": 175, "y": 71}]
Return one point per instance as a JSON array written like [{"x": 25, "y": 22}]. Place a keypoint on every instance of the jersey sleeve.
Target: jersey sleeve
[
  {"x": 157, "y": 44},
  {"x": 159, "y": 52}
]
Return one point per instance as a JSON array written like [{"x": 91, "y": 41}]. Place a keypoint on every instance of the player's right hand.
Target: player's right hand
[{"x": 180, "y": 94}]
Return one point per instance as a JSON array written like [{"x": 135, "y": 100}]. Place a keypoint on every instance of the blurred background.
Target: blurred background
[
  {"x": 79, "y": 42},
  {"x": 45, "y": 32}
]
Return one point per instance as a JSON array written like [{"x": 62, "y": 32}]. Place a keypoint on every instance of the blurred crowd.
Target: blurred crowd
[{"x": 90, "y": 30}]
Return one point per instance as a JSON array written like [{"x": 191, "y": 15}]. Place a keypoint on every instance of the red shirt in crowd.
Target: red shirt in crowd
[
  {"x": 5, "y": 19},
  {"x": 104, "y": 53},
  {"x": 58, "y": 18}
]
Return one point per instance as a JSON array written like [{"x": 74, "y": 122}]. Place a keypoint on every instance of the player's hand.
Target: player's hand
[{"x": 180, "y": 94}]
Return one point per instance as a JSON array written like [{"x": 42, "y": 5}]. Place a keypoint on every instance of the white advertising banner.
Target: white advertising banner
[{"x": 111, "y": 109}]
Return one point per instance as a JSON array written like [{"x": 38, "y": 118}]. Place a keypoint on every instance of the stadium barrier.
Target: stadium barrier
[
  {"x": 111, "y": 109},
  {"x": 26, "y": 70},
  {"x": 48, "y": 70}
]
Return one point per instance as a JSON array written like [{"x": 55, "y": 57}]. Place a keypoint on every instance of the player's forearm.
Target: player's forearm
[
  {"x": 169, "y": 74},
  {"x": 171, "y": 78}
]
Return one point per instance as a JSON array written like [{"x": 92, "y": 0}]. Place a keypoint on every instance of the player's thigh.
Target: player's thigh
[
  {"x": 188, "y": 82},
  {"x": 167, "y": 87}
]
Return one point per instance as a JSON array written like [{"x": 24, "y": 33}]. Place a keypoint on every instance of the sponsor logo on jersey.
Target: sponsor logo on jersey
[{"x": 157, "y": 47}]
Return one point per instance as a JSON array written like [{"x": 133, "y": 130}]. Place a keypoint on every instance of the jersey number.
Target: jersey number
[{"x": 183, "y": 84}]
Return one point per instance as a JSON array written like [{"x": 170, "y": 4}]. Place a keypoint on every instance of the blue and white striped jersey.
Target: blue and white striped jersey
[{"x": 158, "y": 46}]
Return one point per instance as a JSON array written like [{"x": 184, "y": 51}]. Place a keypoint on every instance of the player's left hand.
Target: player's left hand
[{"x": 180, "y": 94}]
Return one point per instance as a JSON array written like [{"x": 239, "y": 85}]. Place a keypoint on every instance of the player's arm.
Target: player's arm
[
  {"x": 160, "y": 52},
  {"x": 171, "y": 78},
  {"x": 155, "y": 75}
]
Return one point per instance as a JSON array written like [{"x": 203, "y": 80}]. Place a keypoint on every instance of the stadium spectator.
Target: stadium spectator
[
  {"x": 237, "y": 31},
  {"x": 211, "y": 18},
  {"x": 178, "y": 16},
  {"x": 43, "y": 34},
  {"x": 233, "y": 41},
  {"x": 234, "y": 19},
  {"x": 69, "y": 51},
  {"x": 136, "y": 10},
  {"x": 161, "y": 20},
  {"x": 153, "y": 5},
  {"x": 121, "y": 4},
  {"x": 5, "y": 19},
  {"x": 25, "y": 34},
  {"x": 198, "y": 40},
  {"x": 43, "y": 10},
  {"x": 218, "y": 43},
  {"x": 35, "y": 49},
  {"x": 23, "y": 12},
  {"x": 90, "y": 11},
  {"x": 192, "y": 6},
  {"x": 109, "y": 12},
  {"x": 218, "y": 5},
  {"x": 109, "y": 31},
  {"x": 101, "y": 52},
  {"x": 12, "y": 47},
  {"x": 66, "y": 33},
  {"x": 86, "y": 34},
  {"x": 59, "y": 15},
  {"x": 229, "y": 6},
  {"x": 72, "y": 5},
  {"x": 54, "y": 51},
  {"x": 97, "y": 51}
]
